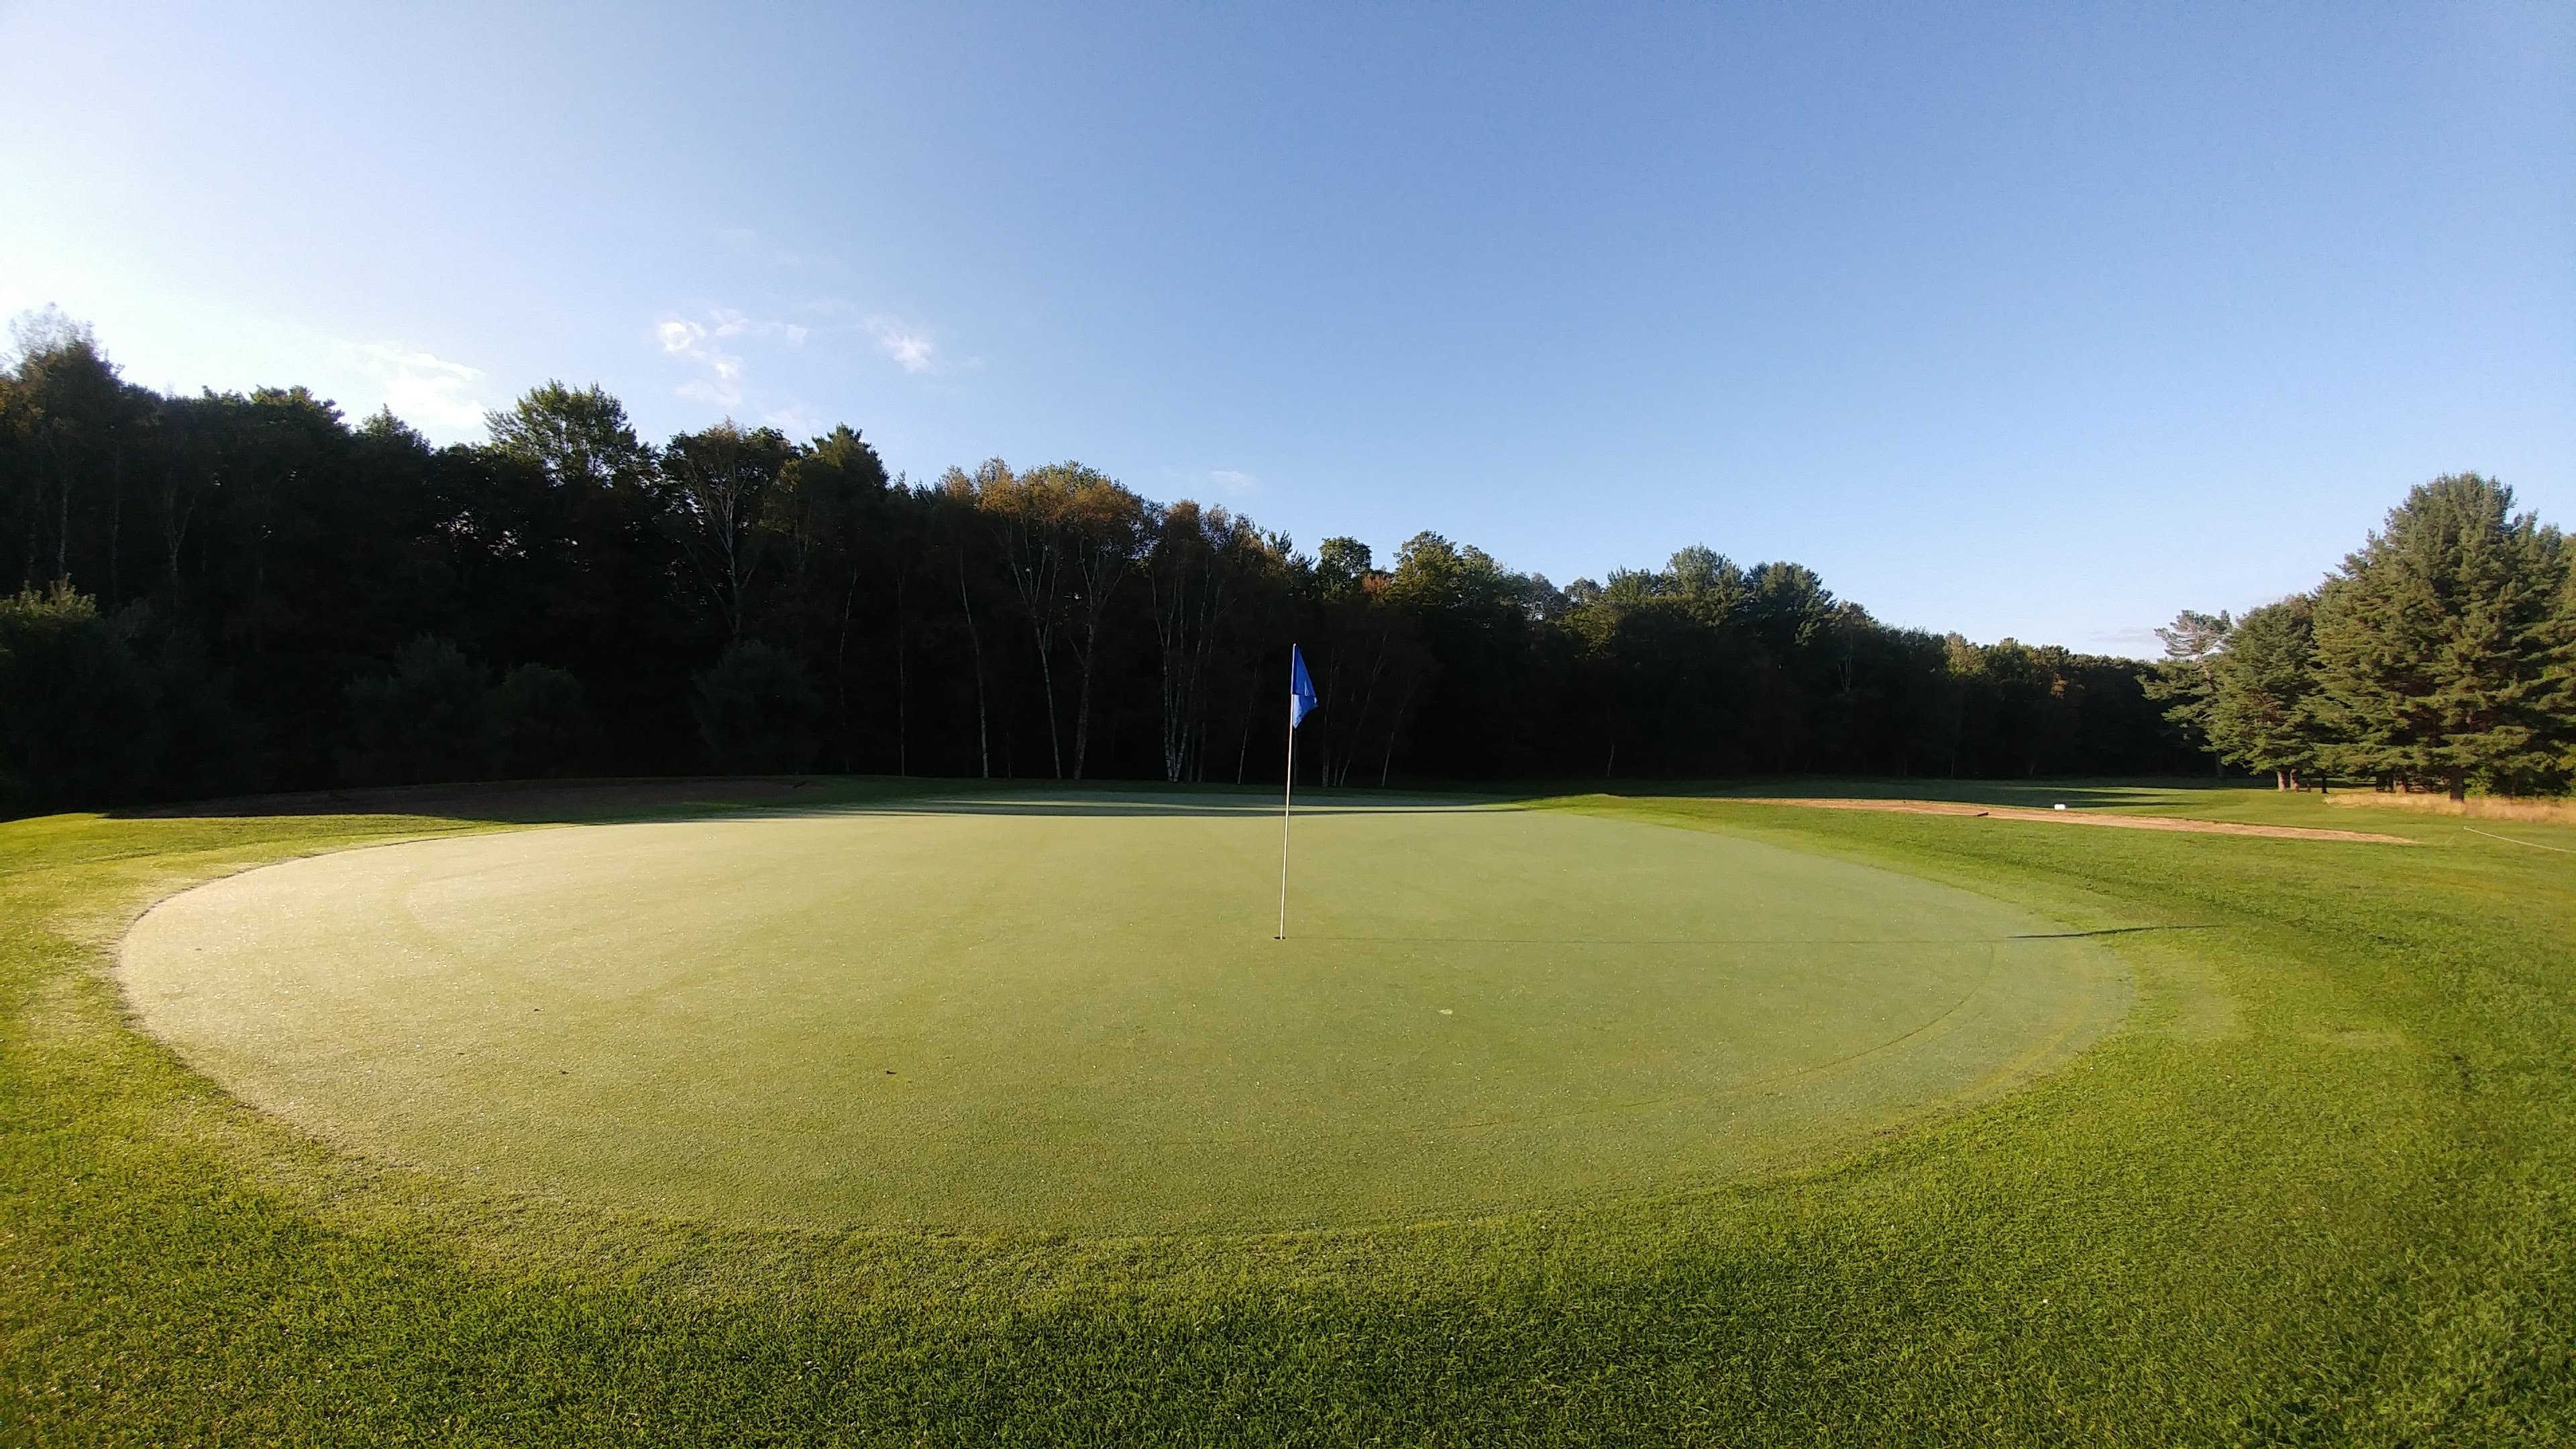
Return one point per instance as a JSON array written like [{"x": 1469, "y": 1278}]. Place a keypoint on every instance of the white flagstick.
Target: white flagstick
[{"x": 1287, "y": 797}]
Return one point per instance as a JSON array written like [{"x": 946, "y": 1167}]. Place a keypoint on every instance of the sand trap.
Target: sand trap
[{"x": 2080, "y": 817}]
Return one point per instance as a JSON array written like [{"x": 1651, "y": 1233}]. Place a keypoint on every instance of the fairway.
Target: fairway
[{"x": 1066, "y": 1012}]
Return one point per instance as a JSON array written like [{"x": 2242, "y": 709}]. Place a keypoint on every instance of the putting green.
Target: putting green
[{"x": 1069, "y": 1014}]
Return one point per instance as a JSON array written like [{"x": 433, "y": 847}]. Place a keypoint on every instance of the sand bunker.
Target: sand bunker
[{"x": 2082, "y": 817}]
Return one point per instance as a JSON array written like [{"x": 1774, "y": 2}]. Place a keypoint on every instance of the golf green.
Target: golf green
[{"x": 1067, "y": 1012}]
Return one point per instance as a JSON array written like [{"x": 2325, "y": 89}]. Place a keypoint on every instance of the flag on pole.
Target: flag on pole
[
  {"x": 1301, "y": 689},
  {"x": 1302, "y": 702}
]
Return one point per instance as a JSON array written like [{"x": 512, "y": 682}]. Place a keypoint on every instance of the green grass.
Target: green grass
[
  {"x": 2316, "y": 1188},
  {"x": 1052, "y": 1011}
]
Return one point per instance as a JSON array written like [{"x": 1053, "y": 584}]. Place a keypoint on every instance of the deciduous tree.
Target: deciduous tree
[{"x": 720, "y": 482}]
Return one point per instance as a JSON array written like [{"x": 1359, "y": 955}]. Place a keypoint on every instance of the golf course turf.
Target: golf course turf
[
  {"x": 1068, "y": 1012},
  {"x": 2091, "y": 1135}
]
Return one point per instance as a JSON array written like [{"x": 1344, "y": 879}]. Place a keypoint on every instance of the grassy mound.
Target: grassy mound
[{"x": 2316, "y": 1187}]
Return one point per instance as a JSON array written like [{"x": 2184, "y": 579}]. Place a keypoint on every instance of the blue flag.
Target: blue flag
[{"x": 1301, "y": 689}]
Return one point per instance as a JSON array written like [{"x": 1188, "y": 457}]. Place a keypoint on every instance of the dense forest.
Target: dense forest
[{"x": 230, "y": 593}]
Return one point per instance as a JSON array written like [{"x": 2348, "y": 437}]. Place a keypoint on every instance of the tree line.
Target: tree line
[
  {"x": 237, "y": 592},
  {"x": 2440, "y": 656}
]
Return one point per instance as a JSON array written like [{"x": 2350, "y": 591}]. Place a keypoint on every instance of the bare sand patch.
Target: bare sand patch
[{"x": 2079, "y": 817}]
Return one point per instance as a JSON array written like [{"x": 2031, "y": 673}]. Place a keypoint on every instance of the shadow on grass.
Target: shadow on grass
[
  {"x": 547, "y": 802},
  {"x": 579, "y": 802},
  {"x": 2092, "y": 794},
  {"x": 538, "y": 802},
  {"x": 2106, "y": 931},
  {"x": 1795, "y": 943},
  {"x": 1110, "y": 807}
]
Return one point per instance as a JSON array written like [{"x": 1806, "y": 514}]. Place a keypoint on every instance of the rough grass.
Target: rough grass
[
  {"x": 2318, "y": 1190},
  {"x": 2476, "y": 807}
]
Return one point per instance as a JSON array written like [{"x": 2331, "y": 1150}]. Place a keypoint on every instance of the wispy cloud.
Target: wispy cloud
[
  {"x": 722, "y": 344},
  {"x": 1233, "y": 481},
  {"x": 731, "y": 323},
  {"x": 423, "y": 389},
  {"x": 707, "y": 344},
  {"x": 795, "y": 420},
  {"x": 722, "y": 385},
  {"x": 911, "y": 347}
]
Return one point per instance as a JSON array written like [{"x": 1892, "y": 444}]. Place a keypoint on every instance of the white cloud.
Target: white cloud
[
  {"x": 730, "y": 323},
  {"x": 423, "y": 389},
  {"x": 910, "y": 347},
  {"x": 722, "y": 384},
  {"x": 1234, "y": 482},
  {"x": 704, "y": 344}
]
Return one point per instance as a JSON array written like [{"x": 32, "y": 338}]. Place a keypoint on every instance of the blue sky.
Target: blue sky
[{"x": 2042, "y": 321}]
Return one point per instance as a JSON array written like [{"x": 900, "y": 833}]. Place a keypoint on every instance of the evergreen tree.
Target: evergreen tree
[
  {"x": 2186, "y": 677},
  {"x": 757, "y": 710},
  {"x": 423, "y": 722},
  {"x": 2440, "y": 645},
  {"x": 77, "y": 710},
  {"x": 2562, "y": 672},
  {"x": 2260, "y": 713},
  {"x": 540, "y": 723}
]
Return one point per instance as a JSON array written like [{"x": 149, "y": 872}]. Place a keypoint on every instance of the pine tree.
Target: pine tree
[
  {"x": 2261, "y": 713},
  {"x": 2186, "y": 675},
  {"x": 2562, "y": 671},
  {"x": 2440, "y": 645}
]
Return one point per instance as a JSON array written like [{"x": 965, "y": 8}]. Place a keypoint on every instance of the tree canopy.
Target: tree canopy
[
  {"x": 231, "y": 592},
  {"x": 2439, "y": 655}
]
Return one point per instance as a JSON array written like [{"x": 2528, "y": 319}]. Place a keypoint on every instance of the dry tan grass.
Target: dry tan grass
[
  {"x": 2542, "y": 812},
  {"x": 2084, "y": 817}
]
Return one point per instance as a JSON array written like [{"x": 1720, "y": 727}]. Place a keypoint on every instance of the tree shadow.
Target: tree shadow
[
  {"x": 2105, "y": 931},
  {"x": 575, "y": 802},
  {"x": 2080, "y": 794},
  {"x": 1788, "y": 943},
  {"x": 1110, "y": 807},
  {"x": 581, "y": 802}
]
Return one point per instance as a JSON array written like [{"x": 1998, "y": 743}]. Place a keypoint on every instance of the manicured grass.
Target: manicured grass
[
  {"x": 1068, "y": 1012},
  {"x": 2316, "y": 1187}
]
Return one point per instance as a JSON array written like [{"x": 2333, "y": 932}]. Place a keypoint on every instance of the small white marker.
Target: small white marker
[
  {"x": 1444, "y": 1011},
  {"x": 2057, "y": 807}
]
